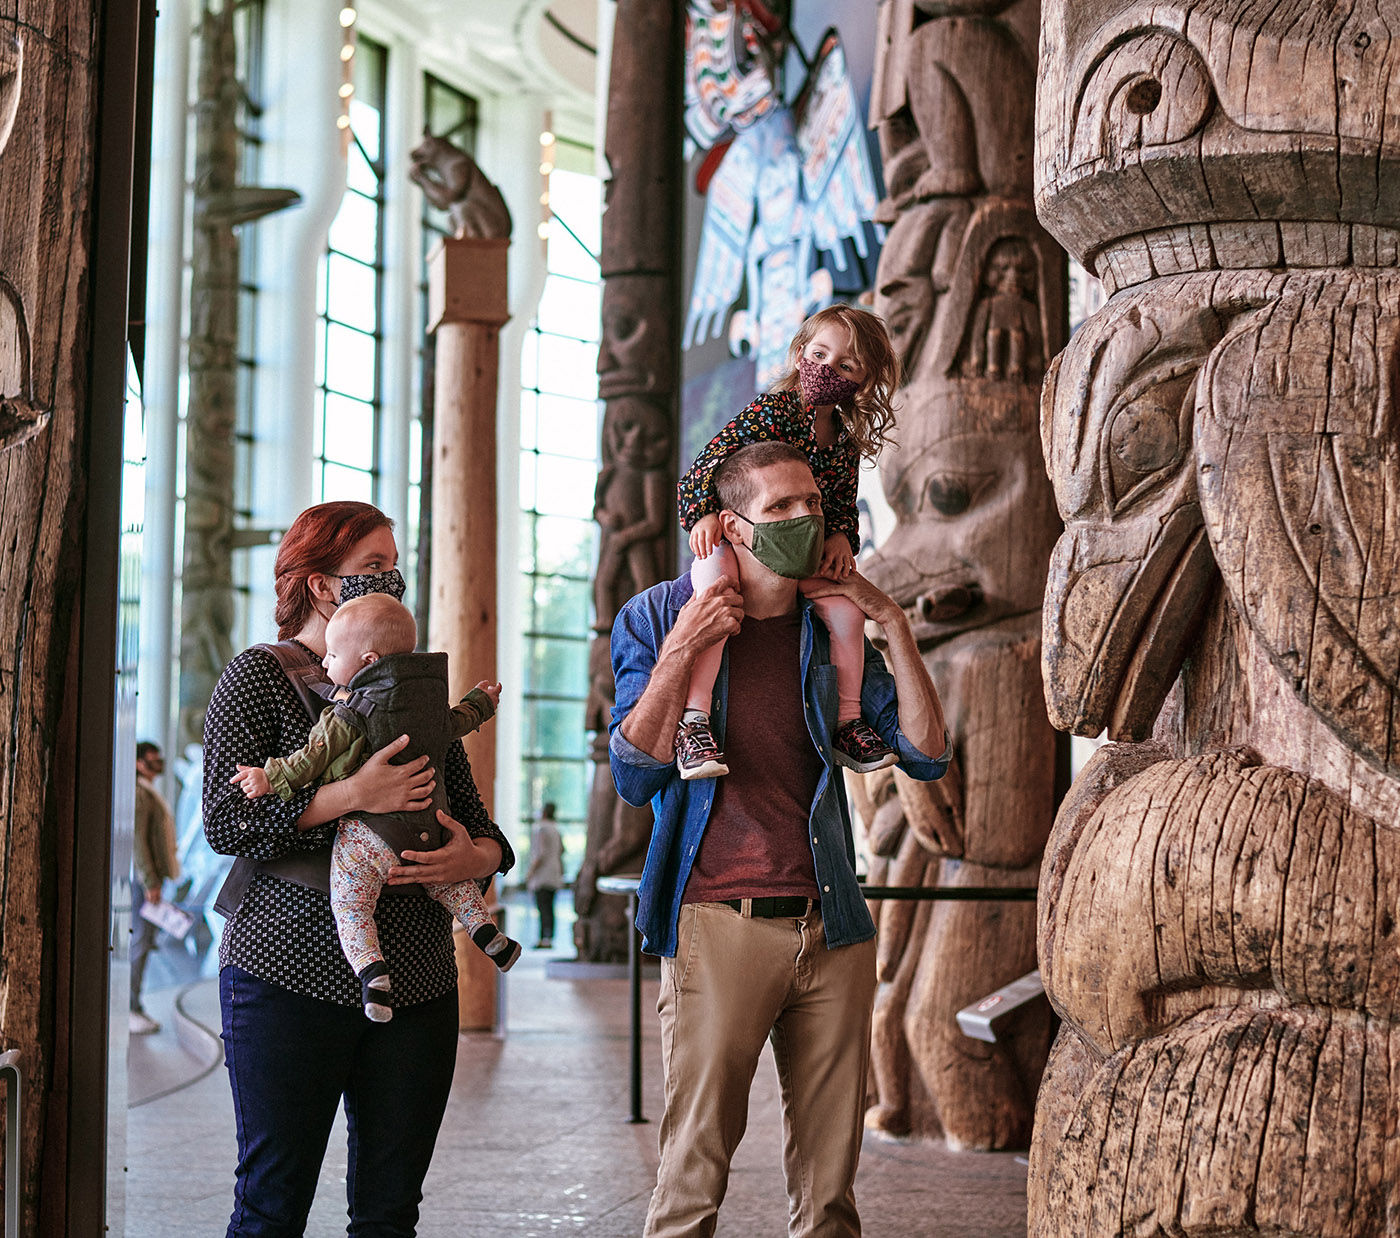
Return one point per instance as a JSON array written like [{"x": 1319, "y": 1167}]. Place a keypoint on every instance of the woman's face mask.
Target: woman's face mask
[
  {"x": 791, "y": 548},
  {"x": 358, "y": 586}
]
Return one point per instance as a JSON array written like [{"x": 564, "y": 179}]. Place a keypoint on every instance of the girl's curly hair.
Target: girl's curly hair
[{"x": 869, "y": 414}]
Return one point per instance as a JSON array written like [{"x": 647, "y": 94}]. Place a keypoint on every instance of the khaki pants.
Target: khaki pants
[{"x": 734, "y": 983}]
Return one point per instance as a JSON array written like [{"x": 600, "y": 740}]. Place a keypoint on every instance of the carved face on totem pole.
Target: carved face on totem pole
[
  {"x": 636, "y": 350},
  {"x": 1218, "y": 921},
  {"x": 966, "y": 284}
]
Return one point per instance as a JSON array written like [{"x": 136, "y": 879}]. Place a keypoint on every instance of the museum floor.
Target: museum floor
[{"x": 536, "y": 1139}]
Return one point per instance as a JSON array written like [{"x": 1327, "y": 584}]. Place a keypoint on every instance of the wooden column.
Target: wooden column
[
  {"x": 466, "y": 310},
  {"x": 638, "y": 381},
  {"x": 974, "y": 292},
  {"x": 1218, "y": 909}
]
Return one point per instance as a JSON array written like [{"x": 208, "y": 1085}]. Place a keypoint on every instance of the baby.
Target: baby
[{"x": 382, "y": 690}]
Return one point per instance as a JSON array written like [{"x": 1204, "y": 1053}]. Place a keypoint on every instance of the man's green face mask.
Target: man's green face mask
[{"x": 791, "y": 548}]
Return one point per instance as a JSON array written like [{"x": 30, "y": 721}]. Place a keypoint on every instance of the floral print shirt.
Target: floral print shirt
[{"x": 778, "y": 416}]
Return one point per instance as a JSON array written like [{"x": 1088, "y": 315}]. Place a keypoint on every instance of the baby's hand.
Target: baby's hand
[
  {"x": 705, "y": 536},
  {"x": 837, "y": 561},
  {"x": 253, "y": 779},
  {"x": 493, "y": 690}
]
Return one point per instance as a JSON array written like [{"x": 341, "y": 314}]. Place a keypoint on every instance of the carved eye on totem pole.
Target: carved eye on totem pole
[
  {"x": 1130, "y": 574},
  {"x": 1149, "y": 90}
]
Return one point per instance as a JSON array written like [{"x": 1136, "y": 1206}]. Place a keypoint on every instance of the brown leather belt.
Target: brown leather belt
[{"x": 785, "y": 907}]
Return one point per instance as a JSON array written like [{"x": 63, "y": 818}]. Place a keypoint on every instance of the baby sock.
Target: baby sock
[
  {"x": 376, "y": 991},
  {"x": 497, "y": 947}
]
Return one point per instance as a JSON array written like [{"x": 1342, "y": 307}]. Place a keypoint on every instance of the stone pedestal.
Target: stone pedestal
[{"x": 466, "y": 310}]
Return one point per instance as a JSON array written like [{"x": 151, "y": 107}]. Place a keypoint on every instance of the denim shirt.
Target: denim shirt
[{"x": 682, "y": 808}]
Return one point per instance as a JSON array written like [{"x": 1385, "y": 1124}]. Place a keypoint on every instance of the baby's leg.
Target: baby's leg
[
  {"x": 704, "y": 573},
  {"x": 845, "y": 621},
  {"x": 464, "y": 900},
  {"x": 360, "y": 861}
]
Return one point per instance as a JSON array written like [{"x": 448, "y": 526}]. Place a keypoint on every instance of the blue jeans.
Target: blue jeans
[{"x": 290, "y": 1060}]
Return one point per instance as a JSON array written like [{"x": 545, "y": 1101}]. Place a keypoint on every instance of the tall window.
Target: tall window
[
  {"x": 349, "y": 341},
  {"x": 559, "y": 425}
]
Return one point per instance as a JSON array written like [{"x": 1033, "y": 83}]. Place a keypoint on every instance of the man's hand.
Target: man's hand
[
  {"x": 492, "y": 690},
  {"x": 253, "y": 779},
  {"x": 707, "y": 618},
  {"x": 877, "y": 605}
]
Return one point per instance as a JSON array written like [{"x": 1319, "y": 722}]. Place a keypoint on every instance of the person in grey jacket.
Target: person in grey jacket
[{"x": 546, "y": 871}]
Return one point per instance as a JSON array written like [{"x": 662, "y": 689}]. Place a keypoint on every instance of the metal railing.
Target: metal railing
[{"x": 1001, "y": 894}]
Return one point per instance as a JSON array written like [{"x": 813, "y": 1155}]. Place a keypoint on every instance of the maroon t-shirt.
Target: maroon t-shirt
[{"x": 755, "y": 842}]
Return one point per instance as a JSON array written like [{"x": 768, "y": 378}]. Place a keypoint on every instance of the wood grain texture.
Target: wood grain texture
[
  {"x": 973, "y": 291},
  {"x": 47, "y": 135},
  {"x": 1218, "y": 912}
]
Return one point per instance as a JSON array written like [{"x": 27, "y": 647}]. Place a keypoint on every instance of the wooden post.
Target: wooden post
[
  {"x": 638, "y": 381},
  {"x": 974, "y": 292},
  {"x": 466, "y": 310},
  {"x": 1219, "y": 900}
]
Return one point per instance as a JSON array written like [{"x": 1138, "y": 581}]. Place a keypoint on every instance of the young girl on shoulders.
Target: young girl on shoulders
[{"x": 834, "y": 405}]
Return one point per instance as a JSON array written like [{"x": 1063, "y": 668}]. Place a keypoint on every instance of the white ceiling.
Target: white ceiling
[{"x": 513, "y": 45}]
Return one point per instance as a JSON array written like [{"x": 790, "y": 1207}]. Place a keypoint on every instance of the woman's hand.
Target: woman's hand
[
  {"x": 837, "y": 560},
  {"x": 378, "y": 786},
  {"x": 460, "y": 858},
  {"x": 705, "y": 536}
]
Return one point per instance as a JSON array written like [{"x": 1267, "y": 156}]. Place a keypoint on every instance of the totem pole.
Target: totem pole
[
  {"x": 220, "y": 206},
  {"x": 974, "y": 294},
  {"x": 638, "y": 377},
  {"x": 48, "y": 187},
  {"x": 1219, "y": 905}
]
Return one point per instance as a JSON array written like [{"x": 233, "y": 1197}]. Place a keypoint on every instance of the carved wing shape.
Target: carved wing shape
[{"x": 1299, "y": 464}]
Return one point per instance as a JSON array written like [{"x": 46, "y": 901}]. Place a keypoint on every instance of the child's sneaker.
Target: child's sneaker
[
  {"x": 697, "y": 754},
  {"x": 376, "y": 991},
  {"x": 500, "y": 949},
  {"x": 857, "y": 747}
]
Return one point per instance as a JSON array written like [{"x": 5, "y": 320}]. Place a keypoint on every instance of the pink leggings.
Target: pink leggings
[
  {"x": 360, "y": 861},
  {"x": 844, "y": 620}
]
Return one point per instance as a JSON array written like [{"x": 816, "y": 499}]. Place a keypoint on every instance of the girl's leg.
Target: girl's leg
[
  {"x": 856, "y": 744},
  {"x": 464, "y": 900},
  {"x": 703, "y": 574},
  {"x": 845, "y": 621}
]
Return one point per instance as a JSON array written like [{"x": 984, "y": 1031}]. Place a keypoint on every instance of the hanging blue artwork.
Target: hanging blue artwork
[{"x": 789, "y": 187}]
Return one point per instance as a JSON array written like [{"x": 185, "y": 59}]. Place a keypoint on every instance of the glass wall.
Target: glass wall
[
  {"x": 559, "y": 427},
  {"x": 349, "y": 341}
]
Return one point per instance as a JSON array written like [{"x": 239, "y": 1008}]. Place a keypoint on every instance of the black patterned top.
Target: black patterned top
[
  {"x": 778, "y": 416},
  {"x": 283, "y": 932}
]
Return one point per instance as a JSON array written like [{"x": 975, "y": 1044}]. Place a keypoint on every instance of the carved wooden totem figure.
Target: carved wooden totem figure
[
  {"x": 48, "y": 98},
  {"x": 638, "y": 373},
  {"x": 973, "y": 291},
  {"x": 1219, "y": 905},
  {"x": 220, "y": 206}
]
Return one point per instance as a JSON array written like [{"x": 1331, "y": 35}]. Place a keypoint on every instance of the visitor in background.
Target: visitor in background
[
  {"x": 155, "y": 862},
  {"x": 546, "y": 872}
]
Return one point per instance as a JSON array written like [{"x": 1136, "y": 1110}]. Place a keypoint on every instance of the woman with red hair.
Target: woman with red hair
[{"x": 295, "y": 1038}]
